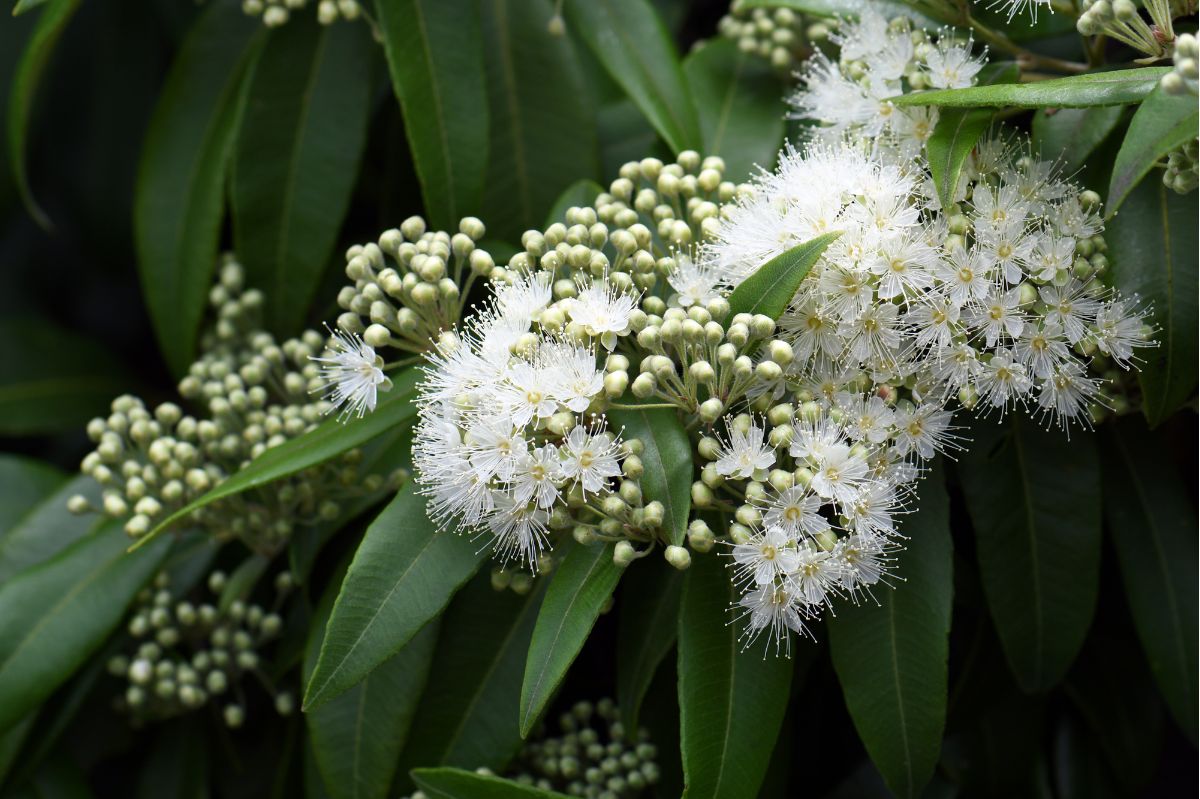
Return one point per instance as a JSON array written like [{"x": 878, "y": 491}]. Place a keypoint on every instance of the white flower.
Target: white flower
[
  {"x": 862, "y": 559},
  {"x": 1118, "y": 332},
  {"x": 795, "y": 510},
  {"x": 771, "y": 608},
  {"x": 840, "y": 473},
  {"x": 697, "y": 281},
  {"x": 589, "y": 459},
  {"x": 571, "y": 374},
  {"x": 1042, "y": 349},
  {"x": 525, "y": 298},
  {"x": 1014, "y": 7},
  {"x": 1003, "y": 379},
  {"x": 745, "y": 455},
  {"x": 999, "y": 315},
  {"x": 519, "y": 530},
  {"x": 352, "y": 374},
  {"x": 495, "y": 446},
  {"x": 767, "y": 556},
  {"x": 815, "y": 574},
  {"x": 1071, "y": 307},
  {"x": 951, "y": 66},
  {"x": 965, "y": 274},
  {"x": 528, "y": 393},
  {"x": 868, "y": 419},
  {"x": 924, "y": 430},
  {"x": 1067, "y": 393},
  {"x": 602, "y": 310},
  {"x": 535, "y": 477}
]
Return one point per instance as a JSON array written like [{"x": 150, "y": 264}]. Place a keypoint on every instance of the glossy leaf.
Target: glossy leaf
[
  {"x": 731, "y": 702},
  {"x": 1152, "y": 520},
  {"x": 648, "y": 625},
  {"x": 579, "y": 194},
  {"x": 46, "y": 527},
  {"x": 737, "y": 98},
  {"x": 51, "y": 23},
  {"x": 1034, "y": 501},
  {"x": 328, "y": 440},
  {"x": 1118, "y": 87},
  {"x": 357, "y": 736},
  {"x": 179, "y": 195},
  {"x": 1152, "y": 248},
  {"x": 404, "y": 573},
  {"x": 543, "y": 129},
  {"x": 956, "y": 133},
  {"x": 628, "y": 38},
  {"x": 24, "y": 483},
  {"x": 54, "y": 616},
  {"x": 469, "y": 710},
  {"x": 453, "y": 783},
  {"x": 52, "y": 379},
  {"x": 1070, "y": 135},
  {"x": 579, "y": 587},
  {"x": 891, "y": 658},
  {"x": 296, "y": 159},
  {"x": 666, "y": 461},
  {"x": 435, "y": 57},
  {"x": 1161, "y": 124},
  {"x": 773, "y": 285}
]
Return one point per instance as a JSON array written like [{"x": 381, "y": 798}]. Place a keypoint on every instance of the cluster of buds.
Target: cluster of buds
[
  {"x": 1122, "y": 20},
  {"x": 248, "y": 394},
  {"x": 412, "y": 284},
  {"x": 780, "y": 35},
  {"x": 277, "y": 12},
  {"x": 187, "y": 655},
  {"x": 1182, "y": 79},
  {"x": 1181, "y": 172}
]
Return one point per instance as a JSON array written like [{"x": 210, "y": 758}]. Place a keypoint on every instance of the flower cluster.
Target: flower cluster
[
  {"x": 1122, "y": 20},
  {"x": 776, "y": 34},
  {"x": 188, "y": 655},
  {"x": 248, "y": 394},
  {"x": 412, "y": 284},
  {"x": 1182, "y": 174},
  {"x": 879, "y": 59},
  {"x": 277, "y": 12}
]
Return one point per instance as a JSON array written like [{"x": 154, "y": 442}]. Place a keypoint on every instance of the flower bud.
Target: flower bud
[
  {"x": 616, "y": 383},
  {"x": 644, "y": 386},
  {"x": 702, "y": 495},
  {"x": 711, "y": 409},
  {"x": 624, "y": 554},
  {"x": 678, "y": 557}
]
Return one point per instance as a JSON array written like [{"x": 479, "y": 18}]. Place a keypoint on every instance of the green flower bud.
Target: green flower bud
[
  {"x": 654, "y": 512},
  {"x": 710, "y": 410},
  {"x": 678, "y": 557},
  {"x": 702, "y": 495},
  {"x": 624, "y": 554}
]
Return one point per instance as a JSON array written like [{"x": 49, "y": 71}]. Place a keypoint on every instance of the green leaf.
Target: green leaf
[
  {"x": 296, "y": 159},
  {"x": 24, "y": 483},
  {"x": 242, "y": 581},
  {"x": 891, "y": 658},
  {"x": 34, "y": 60},
  {"x": 26, "y": 5},
  {"x": 1161, "y": 124},
  {"x": 1070, "y": 135},
  {"x": 1119, "y": 87},
  {"x": 773, "y": 285},
  {"x": 357, "y": 736},
  {"x": 328, "y": 440},
  {"x": 1034, "y": 501},
  {"x": 51, "y": 379},
  {"x": 956, "y": 133},
  {"x": 453, "y": 783},
  {"x": 666, "y": 460},
  {"x": 403, "y": 574},
  {"x": 647, "y": 629},
  {"x": 738, "y": 101},
  {"x": 52, "y": 617},
  {"x": 543, "y": 128},
  {"x": 731, "y": 702},
  {"x": 579, "y": 588},
  {"x": 579, "y": 194},
  {"x": 46, "y": 528},
  {"x": 1152, "y": 250},
  {"x": 435, "y": 56},
  {"x": 179, "y": 195},
  {"x": 468, "y": 712},
  {"x": 629, "y": 39},
  {"x": 845, "y": 8},
  {"x": 1152, "y": 521},
  {"x": 11, "y": 741}
]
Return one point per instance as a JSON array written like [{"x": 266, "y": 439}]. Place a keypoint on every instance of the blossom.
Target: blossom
[
  {"x": 745, "y": 455},
  {"x": 767, "y": 556},
  {"x": 352, "y": 374}
]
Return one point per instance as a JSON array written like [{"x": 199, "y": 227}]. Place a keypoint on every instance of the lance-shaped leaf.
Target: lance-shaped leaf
[
  {"x": 628, "y": 38},
  {"x": 1161, "y": 124},
  {"x": 327, "y": 440},
  {"x": 53, "y": 616},
  {"x": 891, "y": 657},
  {"x": 773, "y": 285},
  {"x": 297, "y": 155},
  {"x": 731, "y": 702},
  {"x": 1152, "y": 248},
  {"x": 737, "y": 100},
  {"x": 956, "y": 133},
  {"x": 468, "y": 712},
  {"x": 666, "y": 461},
  {"x": 46, "y": 527},
  {"x": 404, "y": 573},
  {"x": 50, "y": 25},
  {"x": 357, "y": 736},
  {"x": 578, "y": 591},
  {"x": 648, "y": 625},
  {"x": 1119, "y": 87},
  {"x": 543, "y": 129},
  {"x": 1152, "y": 521},
  {"x": 179, "y": 195},
  {"x": 1070, "y": 135},
  {"x": 435, "y": 57},
  {"x": 24, "y": 484},
  {"x": 453, "y": 783},
  {"x": 1034, "y": 501}
]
